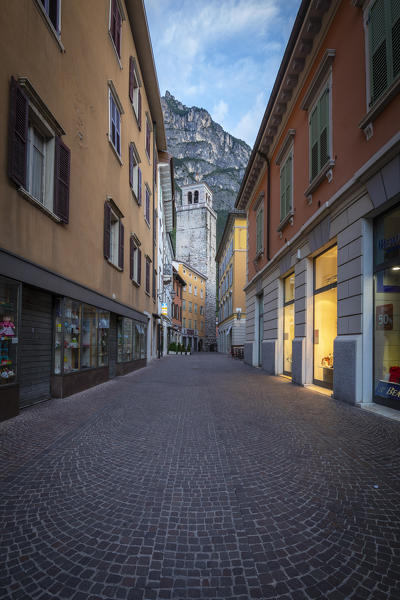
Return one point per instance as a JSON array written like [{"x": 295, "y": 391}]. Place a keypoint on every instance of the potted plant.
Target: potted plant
[
  {"x": 188, "y": 349},
  {"x": 172, "y": 348}
]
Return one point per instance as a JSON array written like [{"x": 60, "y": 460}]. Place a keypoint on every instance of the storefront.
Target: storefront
[
  {"x": 325, "y": 316},
  {"x": 288, "y": 323},
  {"x": 131, "y": 345},
  {"x": 387, "y": 308},
  {"x": 9, "y": 332}
]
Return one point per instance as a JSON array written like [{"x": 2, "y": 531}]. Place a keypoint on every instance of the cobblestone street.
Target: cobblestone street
[{"x": 199, "y": 477}]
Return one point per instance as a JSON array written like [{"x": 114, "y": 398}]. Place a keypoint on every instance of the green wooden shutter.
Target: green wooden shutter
[
  {"x": 323, "y": 128},
  {"x": 314, "y": 142},
  {"x": 288, "y": 185},
  {"x": 283, "y": 192},
  {"x": 378, "y": 50},
  {"x": 395, "y": 35}
]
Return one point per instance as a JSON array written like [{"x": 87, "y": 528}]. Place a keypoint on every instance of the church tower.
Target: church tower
[{"x": 196, "y": 230}]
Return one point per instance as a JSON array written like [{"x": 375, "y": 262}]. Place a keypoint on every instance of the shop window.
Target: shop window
[
  {"x": 288, "y": 323},
  {"x": 325, "y": 316},
  {"x": 38, "y": 161},
  {"x": 387, "y": 309},
  {"x": 320, "y": 133},
  {"x": 131, "y": 340},
  {"x": 135, "y": 94},
  {"x": 383, "y": 26},
  {"x": 81, "y": 337},
  {"x": 8, "y": 331}
]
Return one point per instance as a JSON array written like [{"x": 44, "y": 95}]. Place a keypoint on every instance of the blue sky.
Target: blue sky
[{"x": 221, "y": 55}]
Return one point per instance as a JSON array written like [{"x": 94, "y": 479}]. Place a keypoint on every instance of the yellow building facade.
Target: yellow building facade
[
  {"x": 78, "y": 186},
  {"x": 231, "y": 268},
  {"x": 193, "y": 307}
]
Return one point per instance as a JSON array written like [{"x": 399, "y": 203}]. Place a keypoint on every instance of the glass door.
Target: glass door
[
  {"x": 260, "y": 328},
  {"x": 288, "y": 323},
  {"x": 325, "y": 316}
]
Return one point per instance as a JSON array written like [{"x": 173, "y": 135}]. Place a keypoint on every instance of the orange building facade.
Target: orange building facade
[{"x": 322, "y": 192}]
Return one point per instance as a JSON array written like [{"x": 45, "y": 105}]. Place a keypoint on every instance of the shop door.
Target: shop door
[
  {"x": 36, "y": 346},
  {"x": 325, "y": 316},
  {"x": 288, "y": 323}
]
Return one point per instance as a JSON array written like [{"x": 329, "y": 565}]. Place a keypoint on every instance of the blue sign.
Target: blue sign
[{"x": 387, "y": 389}]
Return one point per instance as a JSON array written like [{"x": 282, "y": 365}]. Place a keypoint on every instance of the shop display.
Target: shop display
[
  {"x": 8, "y": 331},
  {"x": 81, "y": 337},
  {"x": 288, "y": 323},
  {"x": 131, "y": 340}
]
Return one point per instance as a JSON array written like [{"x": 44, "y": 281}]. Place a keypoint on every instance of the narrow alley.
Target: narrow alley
[{"x": 199, "y": 477}]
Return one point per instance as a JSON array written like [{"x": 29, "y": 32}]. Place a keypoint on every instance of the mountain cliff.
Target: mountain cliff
[{"x": 203, "y": 150}]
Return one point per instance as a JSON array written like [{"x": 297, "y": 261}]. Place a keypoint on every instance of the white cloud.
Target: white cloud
[
  {"x": 249, "y": 123},
  {"x": 219, "y": 111}
]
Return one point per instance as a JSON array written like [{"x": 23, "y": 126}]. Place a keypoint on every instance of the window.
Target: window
[
  {"x": 190, "y": 307},
  {"x": 201, "y": 309},
  {"x": 288, "y": 322},
  {"x": 113, "y": 235},
  {"x": 201, "y": 293},
  {"x": 135, "y": 173},
  {"x": 190, "y": 288},
  {"x": 116, "y": 26},
  {"x": 135, "y": 260},
  {"x": 195, "y": 308},
  {"x": 148, "y": 262},
  {"x": 131, "y": 340},
  {"x": 52, "y": 9},
  {"x": 383, "y": 24},
  {"x": 190, "y": 198},
  {"x": 184, "y": 304},
  {"x": 196, "y": 197},
  {"x": 286, "y": 187},
  {"x": 154, "y": 283},
  {"x": 259, "y": 230},
  {"x": 81, "y": 336},
  {"x": 148, "y": 135},
  {"x": 190, "y": 323},
  {"x": 184, "y": 322},
  {"x": 195, "y": 290},
  {"x": 115, "y": 123},
  {"x": 38, "y": 161},
  {"x": 135, "y": 94},
  {"x": 319, "y": 133},
  {"x": 147, "y": 206}
]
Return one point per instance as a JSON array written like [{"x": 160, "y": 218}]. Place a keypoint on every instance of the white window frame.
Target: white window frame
[
  {"x": 122, "y": 15},
  {"x": 136, "y": 246},
  {"x": 135, "y": 94},
  {"x": 114, "y": 238},
  {"x": 135, "y": 171},
  {"x": 37, "y": 123},
  {"x": 112, "y": 95}
]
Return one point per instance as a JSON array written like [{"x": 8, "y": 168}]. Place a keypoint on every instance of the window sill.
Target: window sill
[
  {"x": 135, "y": 115},
  {"x": 135, "y": 283},
  {"x": 147, "y": 223},
  {"x": 286, "y": 220},
  {"x": 379, "y": 106},
  {"x": 147, "y": 293},
  {"x": 50, "y": 26},
  {"x": 115, "y": 151},
  {"x": 316, "y": 182},
  {"x": 25, "y": 194},
  {"x": 115, "y": 50},
  {"x": 114, "y": 265}
]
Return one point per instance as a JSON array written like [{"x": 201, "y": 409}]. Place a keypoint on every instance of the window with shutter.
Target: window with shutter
[
  {"x": 259, "y": 230},
  {"x": 286, "y": 195},
  {"x": 134, "y": 88},
  {"x": 134, "y": 171},
  {"x": 148, "y": 261},
  {"x": 320, "y": 133},
  {"x": 113, "y": 236},
  {"x": 116, "y": 26},
  {"x": 147, "y": 205},
  {"x": 115, "y": 124},
  {"x": 38, "y": 161},
  {"x": 148, "y": 136},
  {"x": 384, "y": 45}
]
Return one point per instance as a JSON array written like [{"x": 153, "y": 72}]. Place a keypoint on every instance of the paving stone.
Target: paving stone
[{"x": 199, "y": 478}]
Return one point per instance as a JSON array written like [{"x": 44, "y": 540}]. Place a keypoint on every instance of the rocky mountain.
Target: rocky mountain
[{"x": 203, "y": 151}]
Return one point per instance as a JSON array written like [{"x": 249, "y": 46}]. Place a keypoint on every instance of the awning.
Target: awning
[{"x": 156, "y": 316}]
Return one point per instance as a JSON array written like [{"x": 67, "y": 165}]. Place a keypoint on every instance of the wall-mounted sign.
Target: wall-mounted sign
[
  {"x": 387, "y": 389},
  {"x": 164, "y": 308}
]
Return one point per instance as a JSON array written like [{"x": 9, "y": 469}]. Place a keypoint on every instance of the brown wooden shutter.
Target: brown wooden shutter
[
  {"x": 121, "y": 246},
  {"x": 131, "y": 165},
  {"x": 139, "y": 186},
  {"x": 139, "y": 109},
  {"x": 131, "y": 254},
  {"x": 131, "y": 77},
  {"x": 107, "y": 230},
  {"x": 62, "y": 166},
  {"x": 18, "y": 134},
  {"x": 139, "y": 272}
]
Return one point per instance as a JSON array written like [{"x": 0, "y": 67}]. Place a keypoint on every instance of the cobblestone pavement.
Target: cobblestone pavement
[{"x": 199, "y": 477}]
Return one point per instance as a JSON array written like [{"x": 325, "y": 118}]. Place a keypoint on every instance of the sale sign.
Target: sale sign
[{"x": 384, "y": 316}]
